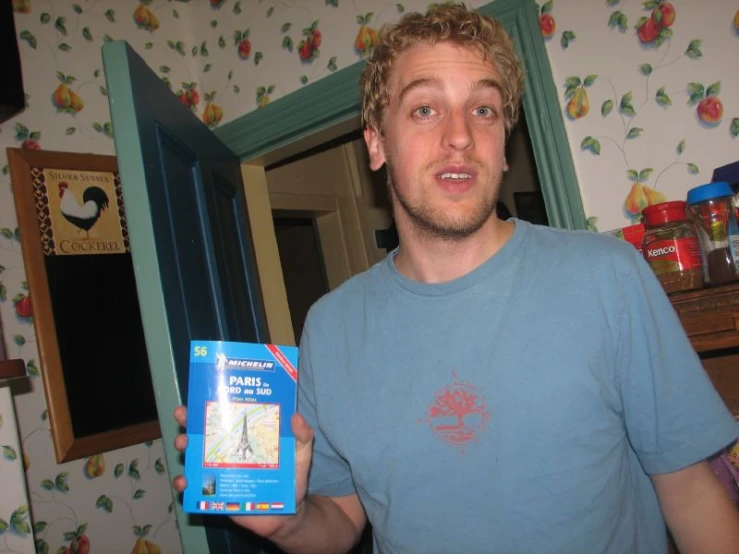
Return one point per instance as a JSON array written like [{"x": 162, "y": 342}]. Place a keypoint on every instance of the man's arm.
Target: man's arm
[
  {"x": 698, "y": 510},
  {"x": 323, "y": 525}
]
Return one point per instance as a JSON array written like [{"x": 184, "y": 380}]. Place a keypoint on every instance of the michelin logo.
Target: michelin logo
[{"x": 223, "y": 362}]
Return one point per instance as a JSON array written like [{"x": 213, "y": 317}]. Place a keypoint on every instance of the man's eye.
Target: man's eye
[
  {"x": 484, "y": 111},
  {"x": 424, "y": 111}
]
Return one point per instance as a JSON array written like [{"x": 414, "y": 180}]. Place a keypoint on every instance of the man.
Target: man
[{"x": 492, "y": 386}]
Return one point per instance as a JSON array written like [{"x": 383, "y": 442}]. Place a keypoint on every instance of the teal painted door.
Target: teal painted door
[{"x": 191, "y": 248}]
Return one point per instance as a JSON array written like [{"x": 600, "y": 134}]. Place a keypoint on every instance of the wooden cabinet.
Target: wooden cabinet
[{"x": 711, "y": 319}]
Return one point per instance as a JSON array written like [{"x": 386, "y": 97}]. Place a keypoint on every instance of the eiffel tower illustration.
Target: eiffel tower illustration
[{"x": 244, "y": 444}]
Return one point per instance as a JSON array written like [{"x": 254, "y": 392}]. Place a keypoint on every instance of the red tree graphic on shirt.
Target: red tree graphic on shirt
[{"x": 457, "y": 413}]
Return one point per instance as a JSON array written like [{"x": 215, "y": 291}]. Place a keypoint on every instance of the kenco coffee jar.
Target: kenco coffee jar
[
  {"x": 713, "y": 212},
  {"x": 671, "y": 246},
  {"x": 633, "y": 234}
]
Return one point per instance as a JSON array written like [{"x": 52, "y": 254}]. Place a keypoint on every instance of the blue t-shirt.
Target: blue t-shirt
[{"x": 517, "y": 409}]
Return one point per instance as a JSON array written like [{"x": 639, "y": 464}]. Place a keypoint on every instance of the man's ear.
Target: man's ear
[{"x": 375, "y": 148}]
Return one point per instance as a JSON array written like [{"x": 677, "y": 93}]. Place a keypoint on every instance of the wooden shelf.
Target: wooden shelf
[
  {"x": 10, "y": 369},
  {"x": 710, "y": 317}
]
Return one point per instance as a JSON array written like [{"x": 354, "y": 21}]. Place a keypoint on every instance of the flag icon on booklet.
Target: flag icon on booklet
[
  {"x": 218, "y": 506},
  {"x": 278, "y": 506},
  {"x": 249, "y": 506},
  {"x": 233, "y": 506},
  {"x": 202, "y": 505}
]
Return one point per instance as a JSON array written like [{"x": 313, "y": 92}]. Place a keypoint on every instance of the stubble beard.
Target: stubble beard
[{"x": 434, "y": 224}]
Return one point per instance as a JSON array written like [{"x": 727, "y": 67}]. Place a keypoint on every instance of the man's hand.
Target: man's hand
[{"x": 265, "y": 526}]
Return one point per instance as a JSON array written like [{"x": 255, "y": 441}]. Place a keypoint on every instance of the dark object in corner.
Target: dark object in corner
[
  {"x": 12, "y": 97},
  {"x": 387, "y": 238},
  {"x": 728, "y": 173},
  {"x": 502, "y": 211},
  {"x": 530, "y": 207}
]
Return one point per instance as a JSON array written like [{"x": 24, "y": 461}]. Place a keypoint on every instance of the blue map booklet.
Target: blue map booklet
[{"x": 240, "y": 455}]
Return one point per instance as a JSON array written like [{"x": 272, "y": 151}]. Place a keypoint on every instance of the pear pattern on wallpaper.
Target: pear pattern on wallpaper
[
  {"x": 22, "y": 6},
  {"x": 366, "y": 36},
  {"x": 75, "y": 540},
  {"x": 64, "y": 98},
  {"x": 224, "y": 48},
  {"x": 654, "y": 32},
  {"x": 576, "y": 96},
  {"x": 212, "y": 114},
  {"x": 145, "y": 18},
  {"x": 262, "y": 94}
]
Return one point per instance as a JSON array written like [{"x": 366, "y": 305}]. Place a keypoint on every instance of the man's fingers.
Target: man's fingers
[
  {"x": 179, "y": 483},
  {"x": 180, "y": 442},
  {"x": 180, "y": 415}
]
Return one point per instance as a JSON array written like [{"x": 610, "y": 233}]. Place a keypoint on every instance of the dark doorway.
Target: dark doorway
[
  {"x": 520, "y": 190},
  {"x": 302, "y": 265}
]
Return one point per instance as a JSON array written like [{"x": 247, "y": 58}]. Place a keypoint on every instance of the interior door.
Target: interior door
[{"x": 192, "y": 252}]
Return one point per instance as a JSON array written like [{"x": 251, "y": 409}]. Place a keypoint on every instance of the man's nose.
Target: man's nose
[{"x": 457, "y": 131}]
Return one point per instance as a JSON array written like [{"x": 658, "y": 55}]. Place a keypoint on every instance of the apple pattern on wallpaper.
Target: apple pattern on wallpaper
[
  {"x": 653, "y": 29},
  {"x": 548, "y": 25},
  {"x": 73, "y": 532},
  {"x": 63, "y": 32},
  {"x": 66, "y": 534},
  {"x": 225, "y": 47}
]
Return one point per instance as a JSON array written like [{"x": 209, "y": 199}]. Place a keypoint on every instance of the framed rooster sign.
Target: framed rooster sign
[{"x": 92, "y": 352}]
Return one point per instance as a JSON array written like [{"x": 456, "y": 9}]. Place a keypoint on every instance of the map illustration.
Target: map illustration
[{"x": 242, "y": 435}]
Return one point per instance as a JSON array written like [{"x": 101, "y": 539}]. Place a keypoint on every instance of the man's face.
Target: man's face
[{"x": 444, "y": 140}]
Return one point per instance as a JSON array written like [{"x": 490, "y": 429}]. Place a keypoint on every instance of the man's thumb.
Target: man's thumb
[{"x": 302, "y": 431}]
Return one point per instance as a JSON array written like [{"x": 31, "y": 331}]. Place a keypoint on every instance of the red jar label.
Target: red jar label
[{"x": 665, "y": 256}]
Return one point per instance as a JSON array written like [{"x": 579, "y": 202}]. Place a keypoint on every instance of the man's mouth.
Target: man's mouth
[{"x": 455, "y": 176}]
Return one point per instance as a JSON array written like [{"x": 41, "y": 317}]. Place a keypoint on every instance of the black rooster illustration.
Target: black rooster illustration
[{"x": 82, "y": 215}]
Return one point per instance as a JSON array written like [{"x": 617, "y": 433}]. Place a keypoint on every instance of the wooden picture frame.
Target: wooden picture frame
[{"x": 92, "y": 354}]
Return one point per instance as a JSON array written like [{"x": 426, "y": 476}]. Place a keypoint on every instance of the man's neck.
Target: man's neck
[{"x": 430, "y": 260}]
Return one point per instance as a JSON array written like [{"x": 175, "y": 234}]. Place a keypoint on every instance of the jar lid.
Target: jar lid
[
  {"x": 664, "y": 212},
  {"x": 719, "y": 189}
]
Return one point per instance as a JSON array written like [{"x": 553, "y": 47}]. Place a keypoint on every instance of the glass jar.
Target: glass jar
[
  {"x": 671, "y": 247},
  {"x": 712, "y": 210}
]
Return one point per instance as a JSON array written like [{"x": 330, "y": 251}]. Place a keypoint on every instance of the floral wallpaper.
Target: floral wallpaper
[
  {"x": 650, "y": 105},
  {"x": 15, "y": 521},
  {"x": 648, "y": 90}
]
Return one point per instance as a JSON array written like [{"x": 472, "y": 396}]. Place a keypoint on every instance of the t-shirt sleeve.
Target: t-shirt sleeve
[
  {"x": 330, "y": 474},
  {"x": 674, "y": 416}
]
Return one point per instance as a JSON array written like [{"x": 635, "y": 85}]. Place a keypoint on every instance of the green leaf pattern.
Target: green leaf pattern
[
  {"x": 61, "y": 34},
  {"x": 9, "y": 453}
]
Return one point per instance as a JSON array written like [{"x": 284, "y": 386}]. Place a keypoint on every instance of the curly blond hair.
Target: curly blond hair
[{"x": 444, "y": 23}]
